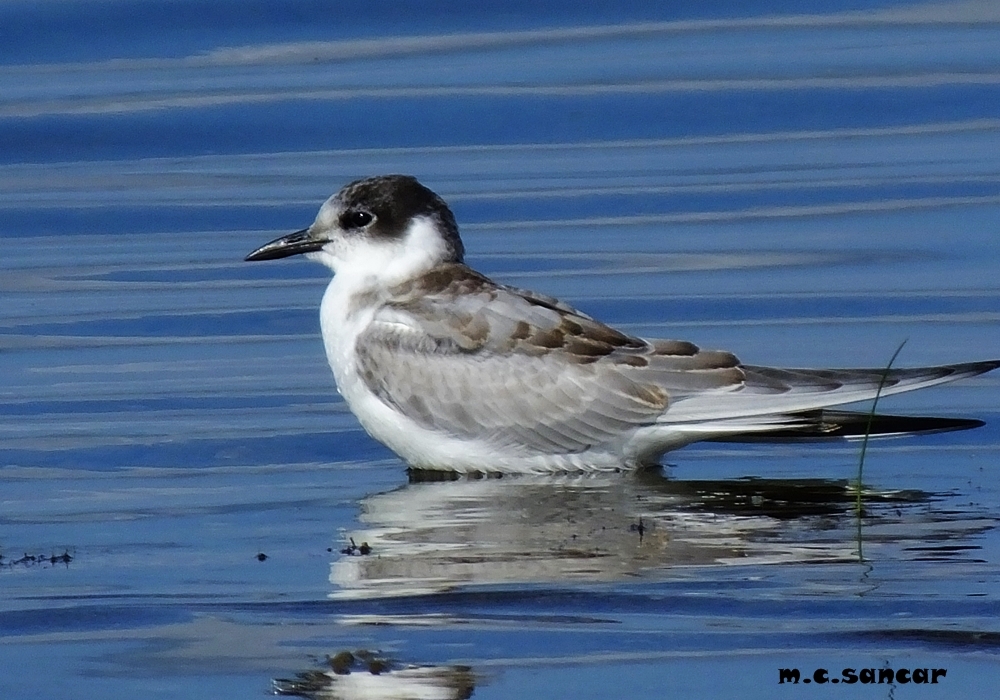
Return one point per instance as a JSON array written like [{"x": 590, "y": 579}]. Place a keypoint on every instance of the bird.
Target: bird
[{"x": 453, "y": 371}]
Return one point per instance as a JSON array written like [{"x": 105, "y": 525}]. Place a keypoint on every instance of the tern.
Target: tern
[{"x": 453, "y": 371}]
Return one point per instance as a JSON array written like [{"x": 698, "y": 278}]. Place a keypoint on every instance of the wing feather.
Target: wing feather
[
  {"x": 464, "y": 356},
  {"x": 467, "y": 357},
  {"x": 769, "y": 391}
]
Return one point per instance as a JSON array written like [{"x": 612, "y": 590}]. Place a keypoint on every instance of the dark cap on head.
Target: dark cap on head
[
  {"x": 378, "y": 207},
  {"x": 394, "y": 200}
]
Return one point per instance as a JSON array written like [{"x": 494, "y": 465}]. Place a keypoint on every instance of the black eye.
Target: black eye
[{"x": 356, "y": 219}]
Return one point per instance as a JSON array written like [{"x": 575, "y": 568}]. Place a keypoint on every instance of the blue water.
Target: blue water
[{"x": 180, "y": 484}]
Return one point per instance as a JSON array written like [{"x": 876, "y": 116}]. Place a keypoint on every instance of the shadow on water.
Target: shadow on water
[{"x": 437, "y": 532}]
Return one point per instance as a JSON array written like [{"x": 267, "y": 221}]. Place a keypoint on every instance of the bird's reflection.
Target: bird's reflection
[
  {"x": 436, "y": 533},
  {"x": 372, "y": 676}
]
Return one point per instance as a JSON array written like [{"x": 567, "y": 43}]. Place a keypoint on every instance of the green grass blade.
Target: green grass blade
[{"x": 858, "y": 505}]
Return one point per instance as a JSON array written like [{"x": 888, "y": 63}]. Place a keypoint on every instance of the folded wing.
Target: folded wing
[
  {"x": 768, "y": 391},
  {"x": 459, "y": 354},
  {"x": 469, "y": 358}
]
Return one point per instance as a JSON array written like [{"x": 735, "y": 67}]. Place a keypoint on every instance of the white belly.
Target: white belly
[{"x": 421, "y": 447}]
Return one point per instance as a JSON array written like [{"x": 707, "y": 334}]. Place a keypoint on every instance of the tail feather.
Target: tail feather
[
  {"x": 827, "y": 424},
  {"x": 773, "y": 393}
]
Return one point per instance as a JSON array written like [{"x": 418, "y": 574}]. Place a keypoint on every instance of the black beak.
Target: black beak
[{"x": 292, "y": 244}]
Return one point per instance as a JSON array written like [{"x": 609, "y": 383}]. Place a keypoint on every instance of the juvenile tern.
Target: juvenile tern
[{"x": 453, "y": 371}]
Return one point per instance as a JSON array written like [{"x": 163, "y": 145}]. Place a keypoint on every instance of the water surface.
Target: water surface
[{"x": 185, "y": 497}]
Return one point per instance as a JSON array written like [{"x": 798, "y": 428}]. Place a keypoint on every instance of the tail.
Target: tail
[
  {"x": 769, "y": 397},
  {"x": 827, "y": 424}
]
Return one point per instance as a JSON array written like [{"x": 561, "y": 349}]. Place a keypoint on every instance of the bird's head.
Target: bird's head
[{"x": 389, "y": 227}]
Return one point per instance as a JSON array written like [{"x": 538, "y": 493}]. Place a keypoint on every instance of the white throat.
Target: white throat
[
  {"x": 364, "y": 265},
  {"x": 364, "y": 269}
]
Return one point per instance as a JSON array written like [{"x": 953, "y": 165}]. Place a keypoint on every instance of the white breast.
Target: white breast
[{"x": 343, "y": 320}]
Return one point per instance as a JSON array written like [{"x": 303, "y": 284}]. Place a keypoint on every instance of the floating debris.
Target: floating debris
[
  {"x": 640, "y": 528},
  {"x": 341, "y": 663},
  {"x": 33, "y": 560},
  {"x": 353, "y": 549}
]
